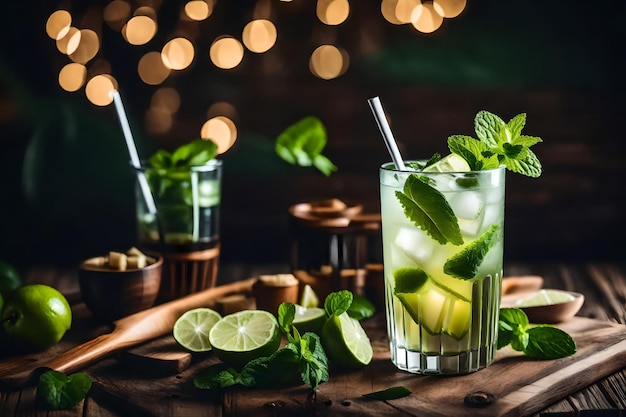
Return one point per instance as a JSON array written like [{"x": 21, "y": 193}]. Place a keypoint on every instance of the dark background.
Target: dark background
[{"x": 67, "y": 190}]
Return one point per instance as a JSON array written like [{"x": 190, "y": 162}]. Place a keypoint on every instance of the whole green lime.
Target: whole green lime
[
  {"x": 9, "y": 278},
  {"x": 36, "y": 316}
]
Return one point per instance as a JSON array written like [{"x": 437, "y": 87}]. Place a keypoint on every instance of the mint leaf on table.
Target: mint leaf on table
[
  {"x": 313, "y": 361},
  {"x": 388, "y": 394},
  {"x": 361, "y": 308},
  {"x": 338, "y": 302},
  {"x": 464, "y": 264},
  {"x": 428, "y": 209},
  {"x": 302, "y": 144},
  {"x": 548, "y": 342},
  {"x": 61, "y": 392},
  {"x": 538, "y": 342}
]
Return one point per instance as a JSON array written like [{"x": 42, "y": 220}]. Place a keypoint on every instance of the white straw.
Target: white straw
[
  {"x": 385, "y": 130},
  {"x": 132, "y": 150}
]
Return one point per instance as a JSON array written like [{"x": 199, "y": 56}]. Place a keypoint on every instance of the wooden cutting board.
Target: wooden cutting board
[{"x": 519, "y": 386}]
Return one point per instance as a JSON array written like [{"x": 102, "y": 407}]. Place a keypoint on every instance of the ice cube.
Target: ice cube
[
  {"x": 467, "y": 204},
  {"x": 414, "y": 244},
  {"x": 470, "y": 227},
  {"x": 492, "y": 215}
]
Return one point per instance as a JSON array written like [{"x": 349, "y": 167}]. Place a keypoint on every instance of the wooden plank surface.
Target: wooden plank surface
[{"x": 563, "y": 386}]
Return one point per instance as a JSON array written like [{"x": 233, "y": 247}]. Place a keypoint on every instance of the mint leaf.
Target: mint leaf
[
  {"x": 547, "y": 342},
  {"x": 469, "y": 149},
  {"x": 433, "y": 159},
  {"x": 337, "y": 303},
  {"x": 313, "y": 361},
  {"x": 526, "y": 141},
  {"x": 286, "y": 314},
  {"x": 302, "y": 144},
  {"x": 61, "y": 392},
  {"x": 489, "y": 128},
  {"x": 428, "y": 209},
  {"x": 160, "y": 160},
  {"x": 361, "y": 308},
  {"x": 512, "y": 328},
  {"x": 388, "y": 394},
  {"x": 529, "y": 165},
  {"x": 216, "y": 376},
  {"x": 280, "y": 368},
  {"x": 516, "y": 125},
  {"x": 195, "y": 153},
  {"x": 464, "y": 264}
]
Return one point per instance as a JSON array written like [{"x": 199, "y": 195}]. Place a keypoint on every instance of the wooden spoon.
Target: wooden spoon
[{"x": 127, "y": 332}]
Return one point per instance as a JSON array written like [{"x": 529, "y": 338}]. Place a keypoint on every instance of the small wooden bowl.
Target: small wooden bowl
[
  {"x": 555, "y": 313},
  {"x": 110, "y": 294}
]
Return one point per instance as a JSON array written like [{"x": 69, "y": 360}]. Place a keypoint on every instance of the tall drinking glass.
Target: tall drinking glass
[
  {"x": 185, "y": 229},
  {"x": 442, "y": 297}
]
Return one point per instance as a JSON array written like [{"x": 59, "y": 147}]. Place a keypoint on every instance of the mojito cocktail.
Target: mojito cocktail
[
  {"x": 442, "y": 290},
  {"x": 443, "y": 233}
]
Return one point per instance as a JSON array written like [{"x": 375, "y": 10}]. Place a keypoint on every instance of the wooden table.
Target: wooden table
[{"x": 120, "y": 389}]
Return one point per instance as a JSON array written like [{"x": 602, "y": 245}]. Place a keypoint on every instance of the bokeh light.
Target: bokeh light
[
  {"x": 178, "y": 54},
  {"x": 98, "y": 89},
  {"x": 405, "y": 9},
  {"x": 88, "y": 45},
  {"x": 449, "y": 8},
  {"x": 151, "y": 69},
  {"x": 328, "y": 62},
  {"x": 72, "y": 76},
  {"x": 116, "y": 13},
  {"x": 58, "y": 24},
  {"x": 139, "y": 30},
  {"x": 221, "y": 130},
  {"x": 332, "y": 12},
  {"x": 388, "y": 10},
  {"x": 226, "y": 52},
  {"x": 165, "y": 99},
  {"x": 426, "y": 19},
  {"x": 259, "y": 35},
  {"x": 199, "y": 9},
  {"x": 63, "y": 42}
]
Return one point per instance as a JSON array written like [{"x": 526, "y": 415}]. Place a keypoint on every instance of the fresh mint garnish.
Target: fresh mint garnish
[
  {"x": 538, "y": 342},
  {"x": 388, "y": 394},
  {"x": 302, "y": 144},
  {"x": 428, "y": 209},
  {"x": 498, "y": 143},
  {"x": 464, "y": 264},
  {"x": 61, "y": 392},
  {"x": 195, "y": 153}
]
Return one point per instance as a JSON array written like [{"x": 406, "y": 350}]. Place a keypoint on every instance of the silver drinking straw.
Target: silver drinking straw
[
  {"x": 385, "y": 130},
  {"x": 132, "y": 150}
]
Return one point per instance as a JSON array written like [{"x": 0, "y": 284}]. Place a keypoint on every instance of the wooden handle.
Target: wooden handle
[{"x": 127, "y": 332}]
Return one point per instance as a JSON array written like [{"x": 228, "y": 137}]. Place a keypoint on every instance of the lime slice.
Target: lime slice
[
  {"x": 457, "y": 321},
  {"x": 464, "y": 264},
  {"x": 240, "y": 337},
  {"x": 309, "y": 319},
  {"x": 409, "y": 279},
  {"x": 309, "y": 298},
  {"x": 450, "y": 163},
  {"x": 192, "y": 328},
  {"x": 345, "y": 342},
  {"x": 546, "y": 297}
]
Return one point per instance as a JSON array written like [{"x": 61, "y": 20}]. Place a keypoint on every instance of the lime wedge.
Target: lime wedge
[
  {"x": 309, "y": 319},
  {"x": 192, "y": 328},
  {"x": 345, "y": 342},
  {"x": 457, "y": 321},
  {"x": 309, "y": 298},
  {"x": 409, "y": 279},
  {"x": 245, "y": 335},
  {"x": 546, "y": 297},
  {"x": 450, "y": 163},
  {"x": 464, "y": 264}
]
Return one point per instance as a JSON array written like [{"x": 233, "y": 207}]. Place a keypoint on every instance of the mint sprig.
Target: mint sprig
[
  {"x": 538, "y": 342},
  {"x": 498, "y": 143},
  {"x": 60, "y": 392},
  {"x": 195, "y": 153},
  {"x": 428, "y": 209},
  {"x": 302, "y": 144}
]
